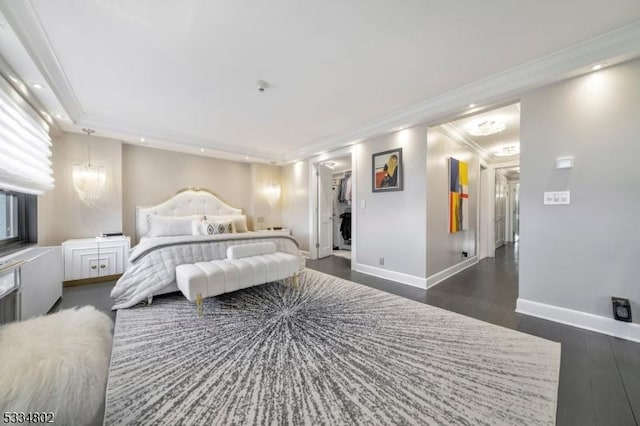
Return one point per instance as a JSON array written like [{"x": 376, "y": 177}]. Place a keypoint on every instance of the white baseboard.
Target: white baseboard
[
  {"x": 305, "y": 254},
  {"x": 400, "y": 277},
  {"x": 624, "y": 330},
  {"x": 452, "y": 270}
]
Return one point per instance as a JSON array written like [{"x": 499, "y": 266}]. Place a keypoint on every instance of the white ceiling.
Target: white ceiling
[
  {"x": 184, "y": 73},
  {"x": 509, "y": 116}
]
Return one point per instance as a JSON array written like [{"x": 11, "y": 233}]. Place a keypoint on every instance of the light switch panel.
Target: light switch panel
[
  {"x": 363, "y": 204},
  {"x": 555, "y": 198}
]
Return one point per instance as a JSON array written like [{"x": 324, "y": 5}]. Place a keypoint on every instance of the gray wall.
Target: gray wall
[
  {"x": 142, "y": 176},
  {"x": 295, "y": 201},
  {"x": 393, "y": 224},
  {"x": 61, "y": 214},
  {"x": 578, "y": 256},
  {"x": 152, "y": 176},
  {"x": 444, "y": 249}
]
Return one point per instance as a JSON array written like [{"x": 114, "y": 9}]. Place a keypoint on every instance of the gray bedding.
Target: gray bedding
[{"x": 152, "y": 263}]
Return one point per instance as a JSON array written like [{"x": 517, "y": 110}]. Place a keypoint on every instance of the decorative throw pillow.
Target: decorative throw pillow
[
  {"x": 213, "y": 228},
  {"x": 239, "y": 221}
]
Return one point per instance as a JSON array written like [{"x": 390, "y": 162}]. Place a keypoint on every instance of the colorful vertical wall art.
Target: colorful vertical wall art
[{"x": 458, "y": 196}]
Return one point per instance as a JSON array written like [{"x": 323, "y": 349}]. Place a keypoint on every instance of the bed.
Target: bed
[{"x": 184, "y": 229}]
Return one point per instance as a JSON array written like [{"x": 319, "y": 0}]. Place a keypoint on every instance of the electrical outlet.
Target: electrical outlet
[
  {"x": 381, "y": 261},
  {"x": 260, "y": 219},
  {"x": 465, "y": 254}
]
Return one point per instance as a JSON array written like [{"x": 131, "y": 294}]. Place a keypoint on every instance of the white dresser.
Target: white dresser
[
  {"x": 95, "y": 259},
  {"x": 30, "y": 283}
]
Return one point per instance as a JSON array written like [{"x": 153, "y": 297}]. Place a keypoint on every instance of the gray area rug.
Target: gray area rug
[{"x": 329, "y": 352}]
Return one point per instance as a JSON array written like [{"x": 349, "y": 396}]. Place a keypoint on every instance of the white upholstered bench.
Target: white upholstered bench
[{"x": 245, "y": 266}]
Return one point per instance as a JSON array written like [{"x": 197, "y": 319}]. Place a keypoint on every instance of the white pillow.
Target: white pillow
[
  {"x": 196, "y": 227},
  {"x": 239, "y": 221},
  {"x": 254, "y": 249},
  {"x": 208, "y": 227},
  {"x": 168, "y": 226}
]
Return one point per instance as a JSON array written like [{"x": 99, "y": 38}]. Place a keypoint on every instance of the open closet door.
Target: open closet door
[{"x": 325, "y": 212}]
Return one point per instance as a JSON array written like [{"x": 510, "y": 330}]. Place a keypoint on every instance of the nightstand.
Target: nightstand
[
  {"x": 98, "y": 259},
  {"x": 283, "y": 231}
]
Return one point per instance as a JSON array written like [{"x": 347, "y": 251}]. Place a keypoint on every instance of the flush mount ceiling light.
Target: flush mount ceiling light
[
  {"x": 88, "y": 179},
  {"x": 486, "y": 128},
  {"x": 329, "y": 164},
  {"x": 507, "y": 151}
]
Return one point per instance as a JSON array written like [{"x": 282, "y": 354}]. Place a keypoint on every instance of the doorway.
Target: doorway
[
  {"x": 341, "y": 200},
  {"x": 333, "y": 217},
  {"x": 507, "y": 205}
]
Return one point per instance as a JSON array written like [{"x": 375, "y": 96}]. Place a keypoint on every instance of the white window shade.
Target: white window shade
[{"x": 25, "y": 146}]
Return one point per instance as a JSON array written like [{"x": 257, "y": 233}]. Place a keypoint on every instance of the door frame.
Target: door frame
[
  {"x": 487, "y": 217},
  {"x": 313, "y": 198}
]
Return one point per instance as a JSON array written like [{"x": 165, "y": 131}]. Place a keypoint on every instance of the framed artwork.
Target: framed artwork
[
  {"x": 386, "y": 170},
  {"x": 458, "y": 195}
]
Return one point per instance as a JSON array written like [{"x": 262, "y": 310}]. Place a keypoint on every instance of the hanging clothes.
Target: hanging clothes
[
  {"x": 344, "y": 195},
  {"x": 345, "y": 226},
  {"x": 347, "y": 195}
]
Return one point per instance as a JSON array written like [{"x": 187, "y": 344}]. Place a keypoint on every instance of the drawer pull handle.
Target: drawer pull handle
[
  {"x": 102, "y": 266},
  {"x": 94, "y": 267}
]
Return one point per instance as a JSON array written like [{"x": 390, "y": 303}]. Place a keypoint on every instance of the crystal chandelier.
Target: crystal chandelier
[
  {"x": 89, "y": 179},
  {"x": 486, "y": 128}
]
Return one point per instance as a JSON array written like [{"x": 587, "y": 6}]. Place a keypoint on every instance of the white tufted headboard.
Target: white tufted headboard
[{"x": 185, "y": 203}]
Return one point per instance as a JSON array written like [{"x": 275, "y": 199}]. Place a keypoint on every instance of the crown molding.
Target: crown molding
[
  {"x": 615, "y": 47},
  {"x": 116, "y": 126},
  {"x": 27, "y": 26},
  {"x": 452, "y": 131}
]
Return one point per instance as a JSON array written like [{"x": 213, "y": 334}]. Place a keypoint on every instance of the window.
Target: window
[
  {"x": 18, "y": 220},
  {"x": 8, "y": 217}
]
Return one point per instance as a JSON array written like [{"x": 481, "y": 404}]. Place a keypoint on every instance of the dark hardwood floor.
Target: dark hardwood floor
[{"x": 599, "y": 374}]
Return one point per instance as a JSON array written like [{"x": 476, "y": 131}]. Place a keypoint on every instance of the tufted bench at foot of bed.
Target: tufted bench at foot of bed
[{"x": 207, "y": 279}]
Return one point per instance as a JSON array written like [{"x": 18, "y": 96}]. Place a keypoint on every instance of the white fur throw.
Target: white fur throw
[{"x": 56, "y": 363}]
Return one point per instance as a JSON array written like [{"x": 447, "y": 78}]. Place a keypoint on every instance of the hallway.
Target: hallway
[{"x": 599, "y": 374}]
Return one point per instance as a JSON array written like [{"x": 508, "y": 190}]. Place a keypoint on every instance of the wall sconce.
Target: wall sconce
[{"x": 272, "y": 193}]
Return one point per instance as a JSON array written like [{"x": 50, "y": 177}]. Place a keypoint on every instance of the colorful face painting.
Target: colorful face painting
[{"x": 458, "y": 196}]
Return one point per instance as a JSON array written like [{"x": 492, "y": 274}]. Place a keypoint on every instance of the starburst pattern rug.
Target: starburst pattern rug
[{"x": 328, "y": 352}]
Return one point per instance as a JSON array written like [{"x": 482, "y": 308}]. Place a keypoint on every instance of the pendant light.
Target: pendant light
[{"x": 88, "y": 179}]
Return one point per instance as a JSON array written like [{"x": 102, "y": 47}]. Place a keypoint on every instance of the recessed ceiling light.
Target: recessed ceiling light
[
  {"x": 141, "y": 139},
  {"x": 201, "y": 149},
  {"x": 472, "y": 105},
  {"x": 246, "y": 158},
  {"x": 596, "y": 67},
  {"x": 37, "y": 86},
  {"x": 59, "y": 116}
]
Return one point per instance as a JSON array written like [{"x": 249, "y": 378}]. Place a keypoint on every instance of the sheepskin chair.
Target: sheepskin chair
[{"x": 56, "y": 363}]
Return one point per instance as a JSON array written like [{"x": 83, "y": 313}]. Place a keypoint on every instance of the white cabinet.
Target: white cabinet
[
  {"x": 95, "y": 258},
  {"x": 37, "y": 272}
]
